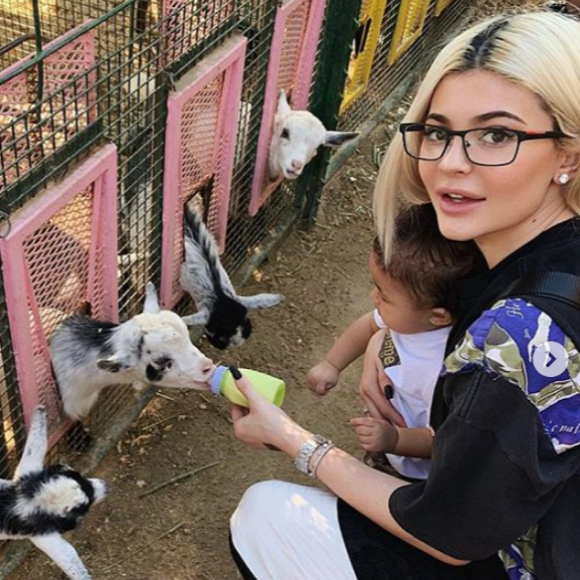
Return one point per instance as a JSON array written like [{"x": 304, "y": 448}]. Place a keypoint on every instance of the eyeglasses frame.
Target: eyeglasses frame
[{"x": 521, "y": 135}]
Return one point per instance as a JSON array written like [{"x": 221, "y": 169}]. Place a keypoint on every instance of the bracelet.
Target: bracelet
[
  {"x": 302, "y": 459},
  {"x": 321, "y": 451},
  {"x": 303, "y": 456}
]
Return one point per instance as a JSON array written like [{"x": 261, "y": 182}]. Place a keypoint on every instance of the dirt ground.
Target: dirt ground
[{"x": 180, "y": 532}]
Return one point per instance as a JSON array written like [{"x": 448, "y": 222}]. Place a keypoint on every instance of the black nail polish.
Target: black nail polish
[
  {"x": 235, "y": 372},
  {"x": 389, "y": 393}
]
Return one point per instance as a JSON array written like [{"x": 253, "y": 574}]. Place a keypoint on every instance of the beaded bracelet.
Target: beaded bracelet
[{"x": 318, "y": 455}]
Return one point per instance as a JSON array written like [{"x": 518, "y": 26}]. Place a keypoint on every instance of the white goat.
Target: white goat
[
  {"x": 41, "y": 503},
  {"x": 296, "y": 138},
  {"x": 152, "y": 347}
]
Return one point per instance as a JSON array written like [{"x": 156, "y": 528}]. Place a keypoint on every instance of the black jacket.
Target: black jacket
[{"x": 496, "y": 476}]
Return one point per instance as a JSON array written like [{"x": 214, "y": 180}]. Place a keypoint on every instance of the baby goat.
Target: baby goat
[
  {"x": 41, "y": 503},
  {"x": 152, "y": 347},
  {"x": 296, "y": 138},
  {"x": 223, "y": 313}
]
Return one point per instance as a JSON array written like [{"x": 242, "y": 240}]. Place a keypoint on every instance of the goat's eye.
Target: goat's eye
[
  {"x": 285, "y": 133},
  {"x": 163, "y": 362}
]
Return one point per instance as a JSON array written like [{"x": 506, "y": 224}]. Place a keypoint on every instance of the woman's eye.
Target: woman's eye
[
  {"x": 435, "y": 135},
  {"x": 497, "y": 136}
]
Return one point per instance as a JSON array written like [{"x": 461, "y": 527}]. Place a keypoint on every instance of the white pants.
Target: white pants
[{"x": 285, "y": 531}]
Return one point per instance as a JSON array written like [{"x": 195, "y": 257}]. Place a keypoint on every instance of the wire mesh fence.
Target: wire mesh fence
[
  {"x": 109, "y": 78},
  {"x": 409, "y": 34}
]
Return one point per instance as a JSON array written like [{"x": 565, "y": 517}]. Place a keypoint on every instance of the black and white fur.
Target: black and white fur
[
  {"x": 41, "y": 503},
  {"x": 219, "y": 308},
  {"x": 153, "y": 347}
]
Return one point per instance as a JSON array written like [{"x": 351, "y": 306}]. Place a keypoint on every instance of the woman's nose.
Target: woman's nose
[{"x": 455, "y": 158}]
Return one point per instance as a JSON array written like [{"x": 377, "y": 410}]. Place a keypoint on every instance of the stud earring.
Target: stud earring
[{"x": 563, "y": 179}]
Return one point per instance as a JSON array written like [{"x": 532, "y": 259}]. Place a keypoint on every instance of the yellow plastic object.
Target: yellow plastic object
[
  {"x": 410, "y": 22},
  {"x": 441, "y": 5},
  {"x": 363, "y": 51}
]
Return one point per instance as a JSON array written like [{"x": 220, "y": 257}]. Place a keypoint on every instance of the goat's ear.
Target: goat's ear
[
  {"x": 338, "y": 138},
  {"x": 283, "y": 106},
  {"x": 260, "y": 301},
  {"x": 36, "y": 444},
  {"x": 115, "y": 363},
  {"x": 198, "y": 319},
  {"x": 151, "y": 301}
]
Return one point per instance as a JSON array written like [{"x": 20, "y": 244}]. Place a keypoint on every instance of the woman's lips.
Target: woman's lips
[{"x": 458, "y": 203}]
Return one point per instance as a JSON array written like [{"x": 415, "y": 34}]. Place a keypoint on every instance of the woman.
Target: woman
[{"x": 492, "y": 140}]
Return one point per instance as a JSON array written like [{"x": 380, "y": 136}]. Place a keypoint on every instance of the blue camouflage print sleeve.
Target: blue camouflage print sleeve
[{"x": 517, "y": 341}]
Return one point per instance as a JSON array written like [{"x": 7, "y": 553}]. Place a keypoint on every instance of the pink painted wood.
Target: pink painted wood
[
  {"x": 291, "y": 66},
  {"x": 48, "y": 245},
  {"x": 202, "y": 122}
]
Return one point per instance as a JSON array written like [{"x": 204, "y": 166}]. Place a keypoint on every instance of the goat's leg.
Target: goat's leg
[
  {"x": 63, "y": 555},
  {"x": 36, "y": 444}
]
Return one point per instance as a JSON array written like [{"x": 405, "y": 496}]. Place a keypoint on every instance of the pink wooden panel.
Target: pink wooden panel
[
  {"x": 60, "y": 253},
  {"x": 292, "y": 57},
  {"x": 199, "y": 152},
  {"x": 72, "y": 109}
]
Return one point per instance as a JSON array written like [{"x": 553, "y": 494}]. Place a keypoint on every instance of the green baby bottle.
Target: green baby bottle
[{"x": 222, "y": 383}]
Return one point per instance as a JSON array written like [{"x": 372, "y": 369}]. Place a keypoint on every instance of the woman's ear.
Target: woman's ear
[
  {"x": 440, "y": 317},
  {"x": 568, "y": 169}
]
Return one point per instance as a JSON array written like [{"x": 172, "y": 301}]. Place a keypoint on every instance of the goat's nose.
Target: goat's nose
[{"x": 297, "y": 165}]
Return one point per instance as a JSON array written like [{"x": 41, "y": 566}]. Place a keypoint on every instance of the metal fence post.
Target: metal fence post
[{"x": 339, "y": 30}]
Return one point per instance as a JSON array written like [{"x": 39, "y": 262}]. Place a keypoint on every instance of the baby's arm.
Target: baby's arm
[
  {"x": 377, "y": 435},
  {"x": 349, "y": 346}
]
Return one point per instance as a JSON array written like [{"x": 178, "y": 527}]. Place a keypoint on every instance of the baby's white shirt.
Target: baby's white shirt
[{"x": 417, "y": 363}]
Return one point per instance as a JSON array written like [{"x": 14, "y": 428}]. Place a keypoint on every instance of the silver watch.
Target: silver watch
[{"x": 302, "y": 458}]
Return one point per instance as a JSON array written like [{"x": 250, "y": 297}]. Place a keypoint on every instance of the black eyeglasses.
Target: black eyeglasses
[{"x": 489, "y": 146}]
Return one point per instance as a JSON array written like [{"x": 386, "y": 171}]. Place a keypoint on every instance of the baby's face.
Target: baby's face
[{"x": 397, "y": 307}]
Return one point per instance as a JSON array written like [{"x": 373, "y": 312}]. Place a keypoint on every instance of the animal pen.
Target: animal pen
[{"x": 114, "y": 114}]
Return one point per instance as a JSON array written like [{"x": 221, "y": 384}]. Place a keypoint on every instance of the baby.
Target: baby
[{"x": 415, "y": 300}]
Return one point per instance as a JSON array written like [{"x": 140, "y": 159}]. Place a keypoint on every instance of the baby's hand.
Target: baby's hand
[
  {"x": 322, "y": 378},
  {"x": 375, "y": 435}
]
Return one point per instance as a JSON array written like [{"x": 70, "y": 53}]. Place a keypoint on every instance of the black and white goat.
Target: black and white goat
[
  {"x": 152, "y": 347},
  {"x": 220, "y": 310},
  {"x": 41, "y": 503}
]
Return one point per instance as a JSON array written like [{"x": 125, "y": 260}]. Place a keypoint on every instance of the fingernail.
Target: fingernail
[
  {"x": 235, "y": 372},
  {"x": 389, "y": 392}
]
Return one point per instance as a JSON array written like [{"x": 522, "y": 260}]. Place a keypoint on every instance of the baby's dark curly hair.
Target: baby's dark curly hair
[{"x": 424, "y": 262}]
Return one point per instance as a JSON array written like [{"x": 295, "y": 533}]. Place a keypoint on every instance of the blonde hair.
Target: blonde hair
[{"x": 538, "y": 50}]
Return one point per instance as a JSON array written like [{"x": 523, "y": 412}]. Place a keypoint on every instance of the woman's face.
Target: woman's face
[{"x": 492, "y": 205}]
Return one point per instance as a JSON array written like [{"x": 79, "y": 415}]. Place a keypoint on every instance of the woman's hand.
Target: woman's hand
[
  {"x": 374, "y": 381},
  {"x": 263, "y": 425}
]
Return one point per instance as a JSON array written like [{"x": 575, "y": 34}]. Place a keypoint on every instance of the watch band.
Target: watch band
[{"x": 302, "y": 458}]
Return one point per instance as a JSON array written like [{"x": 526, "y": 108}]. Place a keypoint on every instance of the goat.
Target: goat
[
  {"x": 220, "y": 310},
  {"x": 296, "y": 138},
  {"x": 40, "y": 503},
  {"x": 153, "y": 347}
]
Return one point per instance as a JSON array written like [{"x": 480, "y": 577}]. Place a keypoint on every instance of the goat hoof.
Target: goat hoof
[{"x": 78, "y": 438}]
